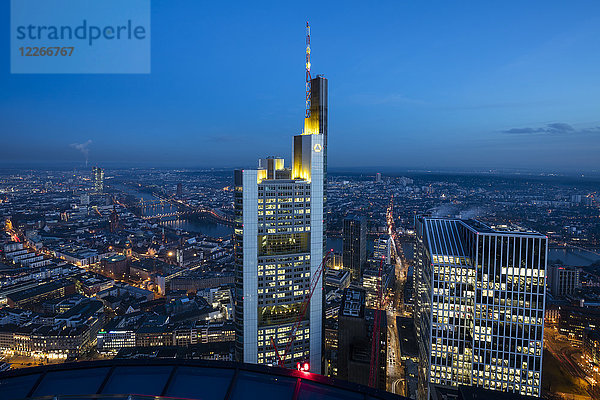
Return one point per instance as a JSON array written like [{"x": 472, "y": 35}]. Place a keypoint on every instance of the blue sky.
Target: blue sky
[{"x": 413, "y": 84}]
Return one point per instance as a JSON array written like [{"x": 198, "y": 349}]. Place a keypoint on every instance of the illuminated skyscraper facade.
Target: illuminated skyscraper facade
[
  {"x": 98, "y": 179},
  {"x": 279, "y": 237},
  {"x": 382, "y": 249},
  {"x": 479, "y": 306}
]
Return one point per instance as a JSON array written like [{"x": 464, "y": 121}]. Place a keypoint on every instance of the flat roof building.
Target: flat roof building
[{"x": 479, "y": 306}]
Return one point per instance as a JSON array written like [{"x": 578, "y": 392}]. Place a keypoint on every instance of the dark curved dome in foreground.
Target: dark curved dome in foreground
[{"x": 174, "y": 379}]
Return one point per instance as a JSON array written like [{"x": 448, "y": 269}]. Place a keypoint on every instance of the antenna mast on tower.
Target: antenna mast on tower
[{"x": 307, "y": 70}]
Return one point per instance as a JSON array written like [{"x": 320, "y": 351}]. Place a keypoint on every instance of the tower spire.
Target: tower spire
[{"x": 307, "y": 70}]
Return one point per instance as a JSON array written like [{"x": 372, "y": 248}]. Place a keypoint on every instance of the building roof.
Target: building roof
[
  {"x": 115, "y": 258},
  {"x": 39, "y": 289},
  {"x": 444, "y": 234},
  {"x": 176, "y": 379},
  {"x": 444, "y": 237},
  {"x": 407, "y": 337},
  {"x": 353, "y": 303},
  {"x": 83, "y": 310}
]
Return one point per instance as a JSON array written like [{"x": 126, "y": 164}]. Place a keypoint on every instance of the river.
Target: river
[
  {"x": 199, "y": 225},
  {"x": 573, "y": 257},
  {"x": 569, "y": 256}
]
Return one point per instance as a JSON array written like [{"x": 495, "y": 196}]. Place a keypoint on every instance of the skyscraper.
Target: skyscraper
[
  {"x": 479, "y": 306},
  {"x": 382, "y": 249},
  {"x": 279, "y": 245},
  {"x": 98, "y": 179},
  {"x": 354, "y": 254},
  {"x": 355, "y": 335}
]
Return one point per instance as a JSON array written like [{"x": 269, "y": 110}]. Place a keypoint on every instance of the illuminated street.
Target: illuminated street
[
  {"x": 395, "y": 368},
  {"x": 572, "y": 362}
]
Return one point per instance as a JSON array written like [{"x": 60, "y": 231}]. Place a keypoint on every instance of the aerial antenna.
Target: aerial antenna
[{"x": 307, "y": 70}]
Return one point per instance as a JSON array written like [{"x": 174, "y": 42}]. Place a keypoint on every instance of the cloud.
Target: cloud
[
  {"x": 84, "y": 148},
  {"x": 557, "y": 128},
  {"x": 521, "y": 130},
  {"x": 560, "y": 127}
]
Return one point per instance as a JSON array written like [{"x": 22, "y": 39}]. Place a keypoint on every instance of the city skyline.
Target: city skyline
[
  {"x": 163, "y": 271},
  {"x": 443, "y": 243},
  {"x": 447, "y": 77}
]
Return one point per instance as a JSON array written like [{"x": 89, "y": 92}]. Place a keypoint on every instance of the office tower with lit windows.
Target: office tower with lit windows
[
  {"x": 279, "y": 246},
  {"x": 382, "y": 250},
  {"x": 563, "y": 280},
  {"x": 479, "y": 306},
  {"x": 98, "y": 179},
  {"x": 354, "y": 254}
]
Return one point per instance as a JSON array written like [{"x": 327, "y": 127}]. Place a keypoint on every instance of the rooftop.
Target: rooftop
[
  {"x": 353, "y": 303},
  {"x": 115, "y": 258},
  {"x": 175, "y": 379}
]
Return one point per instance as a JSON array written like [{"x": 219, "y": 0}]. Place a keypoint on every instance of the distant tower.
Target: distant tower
[
  {"x": 98, "y": 179},
  {"x": 179, "y": 256},
  {"x": 128, "y": 251},
  {"x": 114, "y": 219},
  {"x": 354, "y": 255},
  {"x": 179, "y": 190},
  {"x": 378, "y": 177}
]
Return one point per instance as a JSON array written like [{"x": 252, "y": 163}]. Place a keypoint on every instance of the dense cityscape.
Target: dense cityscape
[
  {"x": 139, "y": 263},
  {"x": 442, "y": 242}
]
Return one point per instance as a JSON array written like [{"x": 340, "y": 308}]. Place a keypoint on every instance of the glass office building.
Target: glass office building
[
  {"x": 479, "y": 306},
  {"x": 279, "y": 237},
  {"x": 354, "y": 256}
]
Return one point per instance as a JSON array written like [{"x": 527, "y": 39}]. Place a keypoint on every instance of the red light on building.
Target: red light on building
[{"x": 304, "y": 367}]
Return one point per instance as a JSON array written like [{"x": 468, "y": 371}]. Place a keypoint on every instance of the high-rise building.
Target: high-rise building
[
  {"x": 563, "y": 280},
  {"x": 370, "y": 283},
  {"x": 179, "y": 193},
  {"x": 113, "y": 220},
  {"x": 355, "y": 333},
  {"x": 378, "y": 177},
  {"x": 375, "y": 279},
  {"x": 382, "y": 250},
  {"x": 354, "y": 255},
  {"x": 479, "y": 306},
  {"x": 279, "y": 246},
  {"x": 98, "y": 179}
]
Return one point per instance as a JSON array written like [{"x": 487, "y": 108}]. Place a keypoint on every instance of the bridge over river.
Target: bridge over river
[{"x": 165, "y": 208}]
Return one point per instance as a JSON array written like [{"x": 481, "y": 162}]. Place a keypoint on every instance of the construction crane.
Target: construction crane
[
  {"x": 305, "y": 303},
  {"x": 375, "y": 339},
  {"x": 307, "y": 70}
]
